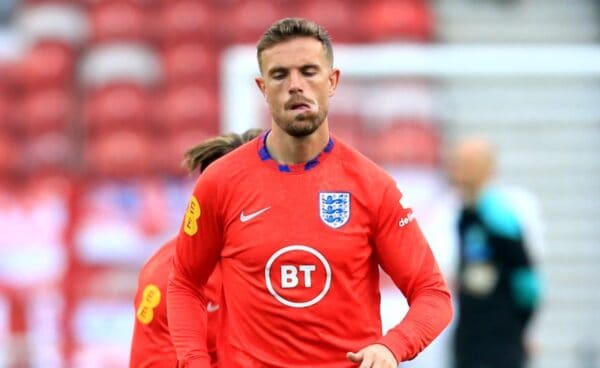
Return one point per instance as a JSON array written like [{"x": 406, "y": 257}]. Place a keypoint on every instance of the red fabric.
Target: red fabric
[
  {"x": 264, "y": 228},
  {"x": 151, "y": 346}
]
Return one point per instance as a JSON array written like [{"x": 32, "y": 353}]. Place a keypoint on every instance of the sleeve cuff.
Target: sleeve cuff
[
  {"x": 397, "y": 345},
  {"x": 195, "y": 363}
]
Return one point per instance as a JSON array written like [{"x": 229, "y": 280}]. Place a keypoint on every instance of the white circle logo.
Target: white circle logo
[{"x": 298, "y": 276}]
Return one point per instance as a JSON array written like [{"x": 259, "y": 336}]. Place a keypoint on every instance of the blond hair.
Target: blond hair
[
  {"x": 288, "y": 28},
  {"x": 205, "y": 153}
]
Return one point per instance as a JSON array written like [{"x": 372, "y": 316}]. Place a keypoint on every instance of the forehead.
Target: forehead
[{"x": 294, "y": 52}]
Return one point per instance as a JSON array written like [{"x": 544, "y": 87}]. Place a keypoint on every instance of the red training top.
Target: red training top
[
  {"x": 151, "y": 345},
  {"x": 299, "y": 248}
]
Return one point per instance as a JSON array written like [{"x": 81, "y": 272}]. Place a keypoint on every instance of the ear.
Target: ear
[
  {"x": 334, "y": 77},
  {"x": 260, "y": 83}
]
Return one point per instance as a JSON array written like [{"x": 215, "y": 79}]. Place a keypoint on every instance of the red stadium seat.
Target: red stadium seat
[
  {"x": 394, "y": 20},
  {"x": 11, "y": 75},
  {"x": 177, "y": 143},
  {"x": 9, "y": 155},
  {"x": 46, "y": 110},
  {"x": 8, "y": 111},
  {"x": 189, "y": 62},
  {"x": 119, "y": 21},
  {"x": 185, "y": 20},
  {"x": 349, "y": 128},
  {"x": 9, "y": 93},
  {"x": 247, "y": 20},
  {"x": 119, "y": 105},
  {"x": 120, "y": 154},
  {"x": 407, "y": 143},
  {"x": 337, "y": 16},
  {"x": 48, "y": 64},
  {"x": 49, "y": 153},
  {"x": 188, "y": 106}
]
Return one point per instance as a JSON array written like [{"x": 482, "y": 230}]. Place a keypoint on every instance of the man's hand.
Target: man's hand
[{"x": 373, "y": 356}]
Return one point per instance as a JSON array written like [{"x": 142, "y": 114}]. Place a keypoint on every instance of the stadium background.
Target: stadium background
[{"x": 99, "y": 99}]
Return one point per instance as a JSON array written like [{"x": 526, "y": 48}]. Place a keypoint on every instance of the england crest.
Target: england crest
[{"x": 334, "y": 208}]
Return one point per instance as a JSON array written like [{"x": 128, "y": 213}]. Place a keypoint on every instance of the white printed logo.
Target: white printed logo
[
  {"x": 298, "y": 276},
  {"x": 406, "y": 219},
  {"x": 405, "y": 205},
  {"x": 248, "y": 217},
  {"x": 405, "y": 202}
]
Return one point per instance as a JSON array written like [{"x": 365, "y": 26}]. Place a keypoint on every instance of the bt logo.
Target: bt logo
[
  {"x": 298, "y": 276},
  {"x": 289, "y": 275}
]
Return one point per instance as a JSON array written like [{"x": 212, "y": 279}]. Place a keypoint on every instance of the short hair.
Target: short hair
[
  {"x": 205, "y": 153},
  {"x": 288, "y": 28}
]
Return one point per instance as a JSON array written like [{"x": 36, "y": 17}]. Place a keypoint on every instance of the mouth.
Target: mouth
[{"x": 299, "y": 106}]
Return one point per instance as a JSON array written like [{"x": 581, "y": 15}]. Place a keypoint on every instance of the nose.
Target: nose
[{"x": 295, "y": 82}]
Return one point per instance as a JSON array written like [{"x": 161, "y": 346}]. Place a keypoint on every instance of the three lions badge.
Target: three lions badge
[{"x": 334, "y": 208}]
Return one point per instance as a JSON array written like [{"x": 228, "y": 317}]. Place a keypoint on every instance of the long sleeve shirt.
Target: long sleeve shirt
[{"x": 299, "y": 248}]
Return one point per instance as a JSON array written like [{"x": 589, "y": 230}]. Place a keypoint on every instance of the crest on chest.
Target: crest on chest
[{"x": 334, "y": 208}]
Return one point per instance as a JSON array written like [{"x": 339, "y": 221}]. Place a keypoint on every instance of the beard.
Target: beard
[{"x": 303, "y": 124}]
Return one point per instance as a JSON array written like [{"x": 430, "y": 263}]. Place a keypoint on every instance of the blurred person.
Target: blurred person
[
  {"x": 498, "y": 287},
  {"x": 298, "y": 223},
  {"x": 151, "y": 344}
]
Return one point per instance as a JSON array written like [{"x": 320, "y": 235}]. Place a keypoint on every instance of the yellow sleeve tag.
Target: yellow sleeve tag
[
  {"x": 150, "y": 300},
  {"x": 190, "y": 223}
]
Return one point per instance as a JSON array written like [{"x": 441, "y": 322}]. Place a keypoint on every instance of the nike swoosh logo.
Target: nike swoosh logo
[
  {"x": 250, "y": 216},
  {"x": 211, "y": 308}
]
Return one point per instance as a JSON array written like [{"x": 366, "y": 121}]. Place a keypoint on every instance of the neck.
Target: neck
[
  {"x": 471, "y": 196},
  {"x": 470, "y": 199},
  {"x": 289, "y": 150}
]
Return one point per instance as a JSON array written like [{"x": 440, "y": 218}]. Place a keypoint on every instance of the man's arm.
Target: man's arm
[
  {"x": 405, "y": 255},
  {"x": 151, "y": 340},
  {"x": 196, "y": 254}
]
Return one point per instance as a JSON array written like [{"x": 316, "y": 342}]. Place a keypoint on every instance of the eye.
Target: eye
[
  {"x": 278, "y": 74},
  {"x": 309, "y": 72}
]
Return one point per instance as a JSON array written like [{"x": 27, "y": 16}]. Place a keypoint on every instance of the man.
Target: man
[
  {"x": 151, "y": 345},
  {"x": 298, "y": 223},
  {"x": 497, "y": 286}
]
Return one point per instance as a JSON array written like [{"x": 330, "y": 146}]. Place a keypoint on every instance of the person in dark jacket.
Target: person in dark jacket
[{"x": 498, "y": 287}]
